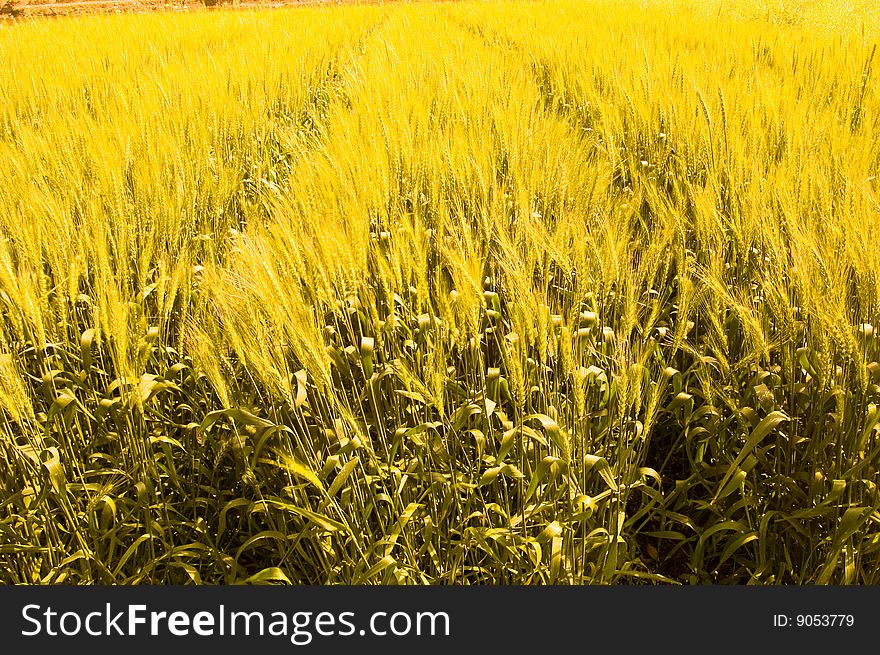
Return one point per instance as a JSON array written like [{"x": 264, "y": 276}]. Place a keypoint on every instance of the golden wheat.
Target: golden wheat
[{"x": 526, "y": 292}]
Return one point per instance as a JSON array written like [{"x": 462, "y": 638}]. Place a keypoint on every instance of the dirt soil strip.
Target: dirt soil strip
[{"x": 38, "y": 8}]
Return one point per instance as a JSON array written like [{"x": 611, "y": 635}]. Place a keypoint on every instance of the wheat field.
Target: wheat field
[{"x": 551, "y": 292}]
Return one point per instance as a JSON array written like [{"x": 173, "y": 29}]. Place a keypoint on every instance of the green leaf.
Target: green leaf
[
  {"x": 343, "y": 475},
  {"x": 556, "y": 435},
  {"x": 271, "y": 575},
  {"x": 323, "y": 522},
  {"x": 238, "y": 415},
  {"x": 603, "y": 468},
  {"x": 384, "y": 563},
  {"x": 296, "y": 468},
  {"x": 764, "y": 428}
]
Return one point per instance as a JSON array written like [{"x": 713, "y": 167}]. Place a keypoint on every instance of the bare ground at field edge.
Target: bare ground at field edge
[{"x": 35, "y": 8}]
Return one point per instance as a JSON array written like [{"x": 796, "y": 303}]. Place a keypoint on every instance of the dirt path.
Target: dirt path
[{"x": 38, "y": 8}]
